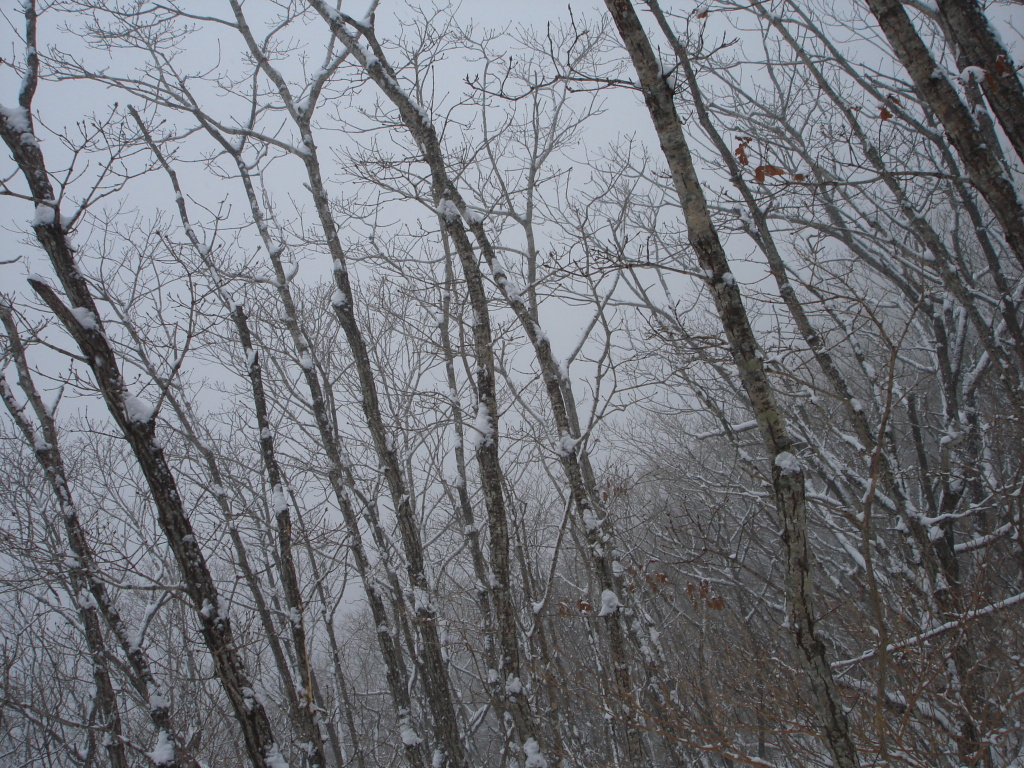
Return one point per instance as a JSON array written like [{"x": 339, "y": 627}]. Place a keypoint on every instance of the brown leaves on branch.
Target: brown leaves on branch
[
  {"x": 741, "y": 150},
  {"x": 761, "y": 172},
  {"x": 764, "y": 171}
]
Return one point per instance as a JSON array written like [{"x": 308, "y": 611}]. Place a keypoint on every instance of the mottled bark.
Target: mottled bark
[
  {"x": 980, "y": 160},
  {"x": 83, "y": 323},
  {"x": 81, "y": 575},
  {"x": 510, "y": 672},
  {"x": 980, "y": 46},
  {"x": 787, "y": 474}
]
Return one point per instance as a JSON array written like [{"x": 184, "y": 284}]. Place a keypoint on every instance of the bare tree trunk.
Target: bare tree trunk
[
  {"x": 945, "y": 266},
  {"x": 470, "y": 530},
  {"x": 981, "y": 47},
  {"x": 439, "y": 694},
  {"x": 135, "y": 421},
  {"x": 85, "y": 582},
  {"x": 453, "y": 211},
  {"x": 304, "y": 711},
  {"x": 510, "y": 670},
  {"x": 787, "y": 474},
  {"x": 980, "y": 160},
  {"x": 334, "y": 649}
]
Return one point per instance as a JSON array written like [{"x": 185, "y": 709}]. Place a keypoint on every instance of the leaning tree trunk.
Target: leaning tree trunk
[
  {"x": 787, "y": 474},
  {"x": 980, "y": 160},
  {"x": 135, "y": 421},
  {"x": 85, "y": 582},
  {"x": 981, "y": 47},
  {"x": 304, "y": 711}
]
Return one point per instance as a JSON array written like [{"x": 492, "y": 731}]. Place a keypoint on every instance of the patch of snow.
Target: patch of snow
[
  {"x": 534, "y": 758},
  {"x": 422, "y": 112},
  {"x": 514, "y": 292},
  {"x": 86, "y": 601},
  {"x": 420, "y": 599},
  {"x": 369, "y": 58},
  {"x": 18, "y": 121},
  {"x": 138, "y": 410},
  {"x": 274, "y": 757},
  {"x": 338, "y": 299},
  {"x": 410, "y": 738},
  {"x": 279, "y": 501},
  {"x": 85, "y": 318},
  {"x": 38, "y": 441},
  {"x": 207, "y": 610},
  {"x": 668, "y": 72},
  {"x": 483, "y": 431},
  {"x": 249, "y": 697},
  {"x": 609, "y": 603},
  {"x": 158, "y": 701},
  {"x": 787, "y": 463},
  {"x": 972, "y": 75},
  {"x": 163, "y": 751},
  {"x": 448, "y": 211},
  {"x": 566, "y": 446},
  {"x": 45, "y": 214}
]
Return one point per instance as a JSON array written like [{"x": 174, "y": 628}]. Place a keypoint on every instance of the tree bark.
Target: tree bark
[
  {"x": 787, "y": 474},
  {"x": 981, "y": 47},
  {"x": 82, "y": 321},
  {"x": 980, "y": 160}
]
